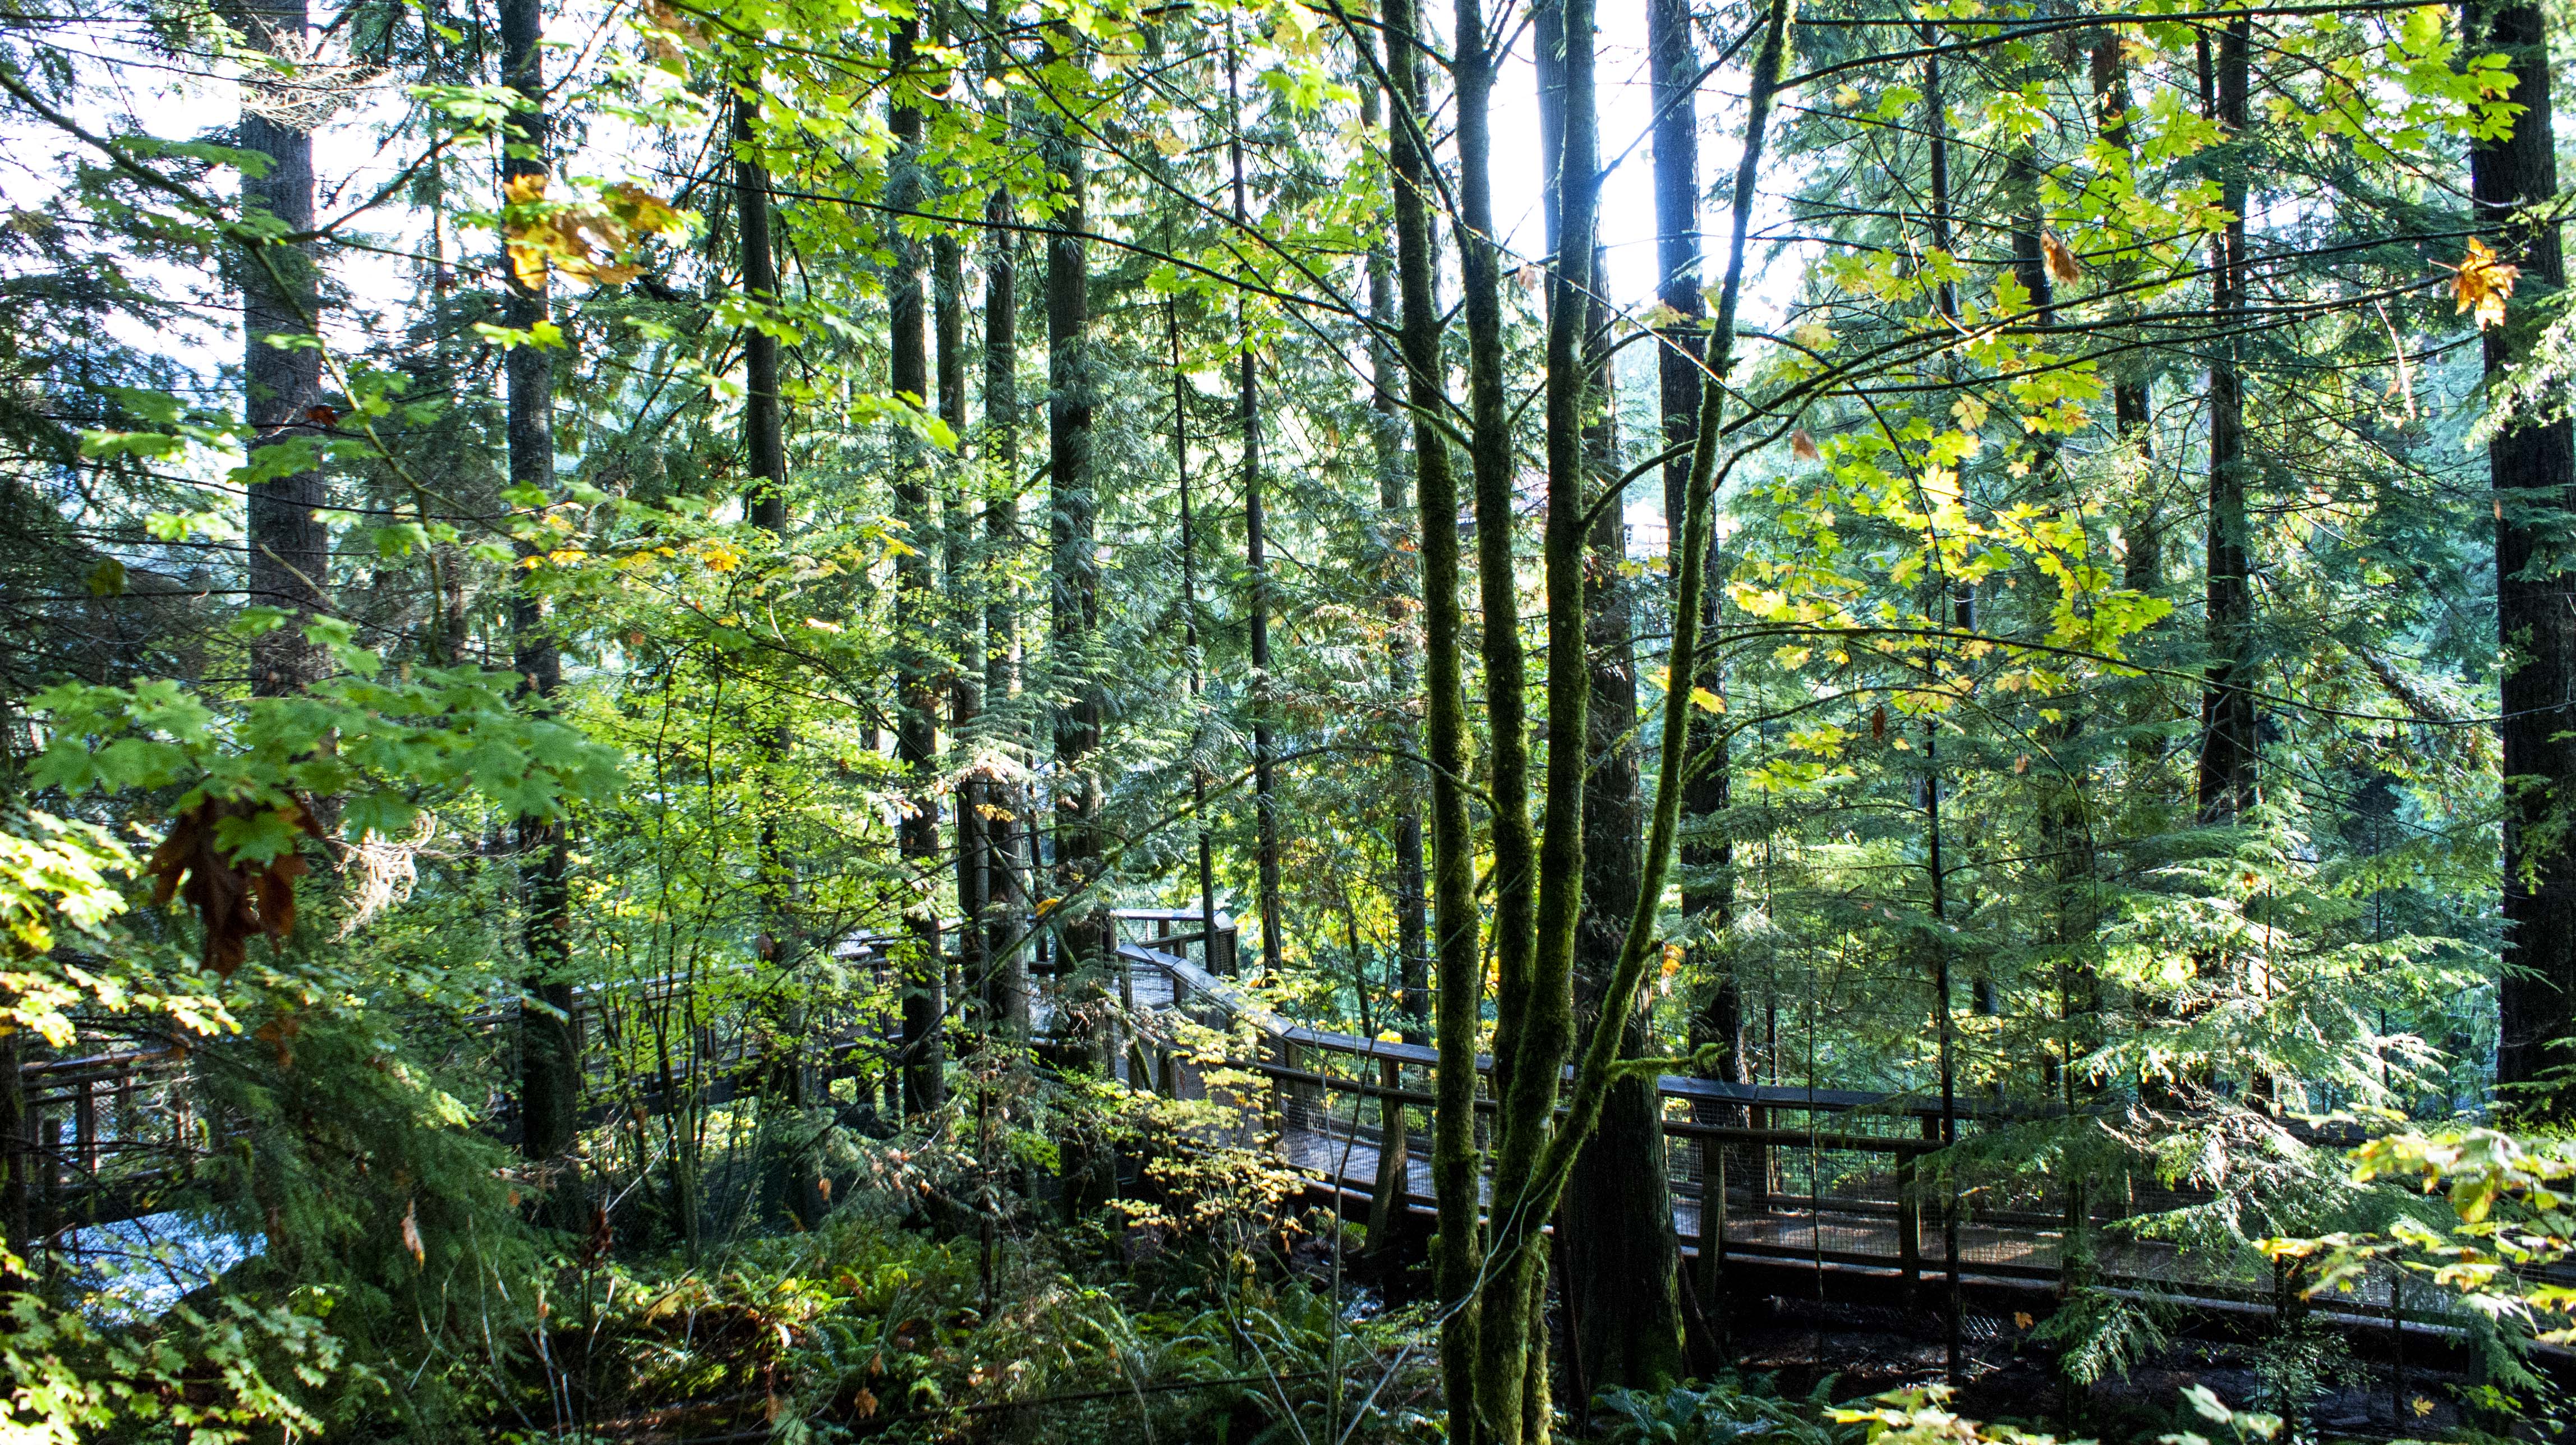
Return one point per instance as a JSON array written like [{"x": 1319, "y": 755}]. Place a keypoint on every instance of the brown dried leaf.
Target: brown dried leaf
[
  {"x": 602, "y": 1237},
  {"x": 1878, "y": 724},
  {"x": 1802, "y": 445},
  {"x": 232, "y": 901},
  {"x": 2062, "y": 264},
  {"x": 677, "y": 22},
  {"x": 411, "y": 1234}
]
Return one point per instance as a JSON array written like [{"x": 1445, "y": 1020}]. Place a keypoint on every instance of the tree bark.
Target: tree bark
[
  {"x": 290, "y": 548},
  {"x": 1536, "y": 1153},
  {"x": 2227, "y": 747},
  {"x": 924, "y": 1002},
  {"x": 1707, "y": 855},
  {"x": 1456, "y": 920},
  {"x": 550, "y": 1079},
  {"x": 1008, "y": 858},
  {"x": 1082, "y": 926},
  {"x": 1265, "y": 783},
  {"x": 1499, "y": 1340},
  {"x": 1190, "y": 641},
  {"x": 1386, "y": 422},
  {"x": 1529, "y": 1062},
  {"x": 964, "y": 643},
  {"x": 1620, "y": 1254},
  {"x": 2533, "y": 463},
  {"x": 764, "y": 426}
]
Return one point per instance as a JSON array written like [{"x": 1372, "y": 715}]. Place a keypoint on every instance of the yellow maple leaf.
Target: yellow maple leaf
[{"x": 2482, "y": 282}]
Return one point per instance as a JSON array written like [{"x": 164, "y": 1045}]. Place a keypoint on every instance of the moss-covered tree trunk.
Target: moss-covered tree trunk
[
  {"x": 1536, "y": 1152},
  {"x": 1456, "y": 921},
  {"x": 1619, "y": 1249}
]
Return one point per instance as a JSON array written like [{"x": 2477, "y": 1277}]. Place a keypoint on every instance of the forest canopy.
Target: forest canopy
[{"x": 738, "y": 719}]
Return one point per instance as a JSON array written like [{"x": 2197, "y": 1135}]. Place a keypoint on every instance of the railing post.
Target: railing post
[
  {"x": 1760, "y": 1117},
  {"x": 1909, "y": 1225},
  {"x": 1394, "y": 1156},
  {"x": 1274, "y": 1103},
  {"x": 49, "y": 1144},
  {"x": 1930, "y": 1125},
  {"x": 85, "y": 1127},
  {"x": 1712, "y": 1225}
]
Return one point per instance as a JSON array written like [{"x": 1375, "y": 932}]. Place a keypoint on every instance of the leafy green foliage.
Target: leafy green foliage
[{"x": 1724, "y": 1410}]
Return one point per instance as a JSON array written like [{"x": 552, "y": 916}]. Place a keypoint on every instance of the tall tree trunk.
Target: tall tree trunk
[
  {"x": 764, "y": 426},
  {"x": 2533, "y": 463},
  {"x": 549, "y": 1036},
  {"x": 966, "y": 581},
  {"x": 1386, "y": 423},
  {"x": 924, "y": 1003},
  {"x": 2227, "y": 746},
  {"x": 1074, "y": 580},
  {"x": 2142, "y": 553},
  {"x": 1620, "y": 1253},
  {"x": 1500, "y": 1336},
  {"x": 1489, "y": 453},
  {"x": 1265, "y": 783},
  {"x": 290, "y": 548},
  {"x": 764, "y": 437},
  {"x": 1009, "y": 856},
  {"x": 1536, "y": 1157},
  {"x": 1707, "y": 855},
  {"x": 1456, "y": 919},
  {"x": 1413, "y": 925},
  {"x": 1190, "y": 626},
  {"x": 1528, "y": 1065},
  {"x": 1945, "y": 299}
]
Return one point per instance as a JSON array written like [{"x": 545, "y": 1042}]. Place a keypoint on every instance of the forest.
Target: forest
[{"x": 1286, "y": 722}]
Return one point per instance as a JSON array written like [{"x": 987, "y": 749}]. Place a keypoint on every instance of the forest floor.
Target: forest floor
[{"x": 2012, "y": 1378}]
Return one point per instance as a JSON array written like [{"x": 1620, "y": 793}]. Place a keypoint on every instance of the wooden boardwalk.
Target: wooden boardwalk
[
  {"x": 1814, "y": 1179},
  {"x": 1819, "y": 1180}
]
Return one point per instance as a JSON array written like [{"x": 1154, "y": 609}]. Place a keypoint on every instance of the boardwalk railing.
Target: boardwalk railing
[
  {"x": 1820, "y": 1179},
  {"x": 1824, "y": 1180},
  {"x": 105, "y": 1133}
]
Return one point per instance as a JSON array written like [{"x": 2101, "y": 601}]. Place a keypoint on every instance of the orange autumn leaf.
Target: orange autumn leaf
[
  {"x": 2481, "y": 283},
  {"x": 1802, "y": 445},
  {"x": 585, "y": 241},
  {"x": 2061, "y": 260}
]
